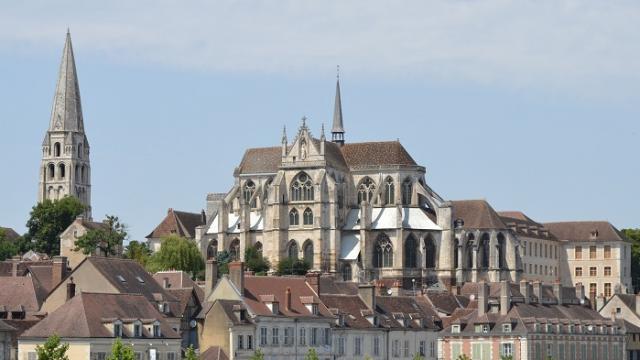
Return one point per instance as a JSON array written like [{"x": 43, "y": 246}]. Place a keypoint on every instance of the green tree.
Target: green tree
[
  {"x": 634, "y": 236},
  {"x": 506, "y": 357},
  {"x": 119, "y": 351},
  {"x": 223, "y": 258},
  {"x": 48, "y": 220},
  {"x": 190, "y": 354},
  {"x": 52, "y": 349},
  {"x": 176, "y": 253},
  {"x": 417, "y": 356},
  {"x": 108, "y": 240},
  {"x": 311, "y": 355},
  {"x": 291, "y": 266},
  {"x": 257, "y": 355},
  {"x": 463, "y": 357},
  {"x": 7, "y": 247},
  {"x": 138, "y": 251},
  {"x": 255, "y": 261}
]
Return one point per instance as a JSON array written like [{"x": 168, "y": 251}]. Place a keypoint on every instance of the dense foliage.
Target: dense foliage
[
  {"x": 138, "y": 251},
  {"x": 257, "y": 355},
  {"x": 7, "y": 247},
  {"x": 177, "y": 253},
  {"x": 634, "y": 236},
  {"x": 223, "y": 258},
  {"x": 255, "y": 262},
  {"x": 52, "y": 349},
  {"x": 291, "y": 266},
  {"x": 190, "y": 354},
  {"x": 48, "y": 220},
  {"x": 108, "y": 240},
  {"x": 119, "y": 351},
  {"x": 311, "y": 355}
]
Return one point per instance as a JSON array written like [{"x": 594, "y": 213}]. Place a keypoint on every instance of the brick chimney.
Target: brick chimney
[
  {"x": 600, "y": 302},
  {"x": 557, "y": 291},
  {"x": 59, "y": 270},
  {"x": 505, "y": 297},
  {"x": 287, "y": 299},
  {"x": 537, "y": 290},
  {"x": 71, "y": 289},
  {"x": 236, "y": 275},
  {"x": 483, "y": 294},
  {"x": 210, "y": 277},
  {"x": 313, "y": 279},
  {"x": 525, "y": 290},
  {"x": 367, "y": 293},
  {"x": 15, "y": 261}
]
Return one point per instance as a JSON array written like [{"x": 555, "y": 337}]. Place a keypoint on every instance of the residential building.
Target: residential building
[
  {"x": 78, "y": 228},
  {"x": 91, "y": 322},
  {"x": 179, "y": 223},
  {"x": 6, "y": 332},
  {"x": 625, "y": 309}
]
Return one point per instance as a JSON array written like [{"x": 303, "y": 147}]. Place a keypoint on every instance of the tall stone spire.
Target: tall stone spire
[
  {"x": 337, "y": 130},
  {"x": 65, "y": 169},
  {"x": 66, "y": 114}
]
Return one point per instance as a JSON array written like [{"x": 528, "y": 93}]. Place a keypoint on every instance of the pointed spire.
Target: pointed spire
[
  {"x": 322, "y": 137},
  {"x": 337, "y": 130},
  {"x": 284, "y": 134},
  {"x": 66, "y": 114}
]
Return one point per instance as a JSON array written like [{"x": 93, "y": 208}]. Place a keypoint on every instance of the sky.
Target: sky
[{"x": 532, "y": 105}]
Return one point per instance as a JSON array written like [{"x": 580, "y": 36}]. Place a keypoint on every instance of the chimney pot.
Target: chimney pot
[
  {"x": 525, "y": 289},
  {"x": 287, "y": 299},
  {"x": 367, "y": 293},
  {"x": 505, "y": 297},
  {"x": 210, "y": 277},
  {"x": 483, "y": 293},
  {"x": 313, "y": 279},
  {"x": 537, "y": 290},
  {"x": 71, "y": 289},
  {"x": 59, "y": 269},
  {"x": 236, "y": 274}
]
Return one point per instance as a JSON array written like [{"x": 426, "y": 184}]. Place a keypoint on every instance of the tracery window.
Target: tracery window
[
  {"x": 383, "y": 252},
  {"x": 234, "y": 250},
  {"x": 52, "y": 171},
  {"x": 389, "y": 191},
  {"x": 429, "y": 252},
  {"x": 470, "y": 239},
  {"x": 292, "y": 251},
  {"x": 248, "y": 191},
  {"x": 307, "y": 217},
  {"x": 347, "y": 274},
  {"x": 366, "y": 190},
  {"x": 501, "y": 251},
  {"x": 308, "y": 253},
  {"x": 407, "y": 191},
  {"x": 410, "y": 255},
  {"x": 484, "y": 251},
  {"x": 294, "y": 217},
  {"x": 212, "y": 249},
  {"x": 302, "y": 188}
]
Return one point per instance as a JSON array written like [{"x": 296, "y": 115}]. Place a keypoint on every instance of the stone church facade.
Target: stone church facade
[{"x": 65, "y": 169}]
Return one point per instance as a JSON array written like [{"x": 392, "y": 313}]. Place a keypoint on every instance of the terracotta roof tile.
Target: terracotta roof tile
[
  {"x": 213, "y": 353},
  {"x": 376, "y": 154},
  {"x": 180, "y": 223},
  {"x": 351, "y": 305},
  {"x": 477, "y": 214},
  {"x": 585, "y": 231},
  {"x": 261, "y": 160}
]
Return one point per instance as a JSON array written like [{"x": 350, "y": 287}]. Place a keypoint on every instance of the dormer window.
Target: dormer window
[
  {"x": 137, "y": 329},
  {"x": 455, "y": 329},
  {"x": 549, "y": 328},
  {"x": 275, "y": 308},
  {"x": 482, "y": 328},
  {"x": 314, "y": 309},
  {"x": 117, "y": 329},
  {"x": 156, "y": 329},
  {"x": 506, "y": 328}
]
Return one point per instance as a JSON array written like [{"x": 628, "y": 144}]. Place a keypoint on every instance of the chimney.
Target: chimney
[
  {"x": 599, "y": 302},
  {"x": 537, "y": 290},
  {"x": 505, "y": 297},
  {"x": 367, "y": 293},
  {"x": 71, "y": 289},
  {"x": 236, "y": 275},
  {"x": 169, "y": 211},
  {"x": 313, "y": 279},
  {"x": 287, "y": 299},
  {"x": 525, "y": 290},
  {"x": 59, "y": 270},
  {"x": 165, "y": 282},
  {"x": 557, "y": 291},
  {"x": 15, "y": 261},
  {"x": 580, "y": 293},
  {"x": 483, "y": 294},
  {"x": 210, "y": 277}
]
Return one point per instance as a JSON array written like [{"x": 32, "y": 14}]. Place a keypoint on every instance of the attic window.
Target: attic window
[
  {"x": 455, "y": 329},
  {"x": 156, "y": 329},
  {"x": 3, "y": 314},
  {"x": 117, "y": 329},
  {"x": 137, "y": 330},
  {"x": 140, "y": 280},
  {"x": 121, "y": 278},
  {"x": 506, "y": 328}
]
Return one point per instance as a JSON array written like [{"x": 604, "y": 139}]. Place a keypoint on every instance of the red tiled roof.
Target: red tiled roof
[
  {"x": 477, "y": 214},
  {"x": 213, "y": 353},
  {"x": 376, "y": 154},
  {"x": 179, "y": 223}
]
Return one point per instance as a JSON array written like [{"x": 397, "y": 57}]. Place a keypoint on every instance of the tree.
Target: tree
[
  {"x": 7, "y": 247},
  {"x": 311, "y": 355},
  {"x": 48, "y": 220},
  {"x": 108, "y": 239},
  {"x": 463, "y": 357},
  {"x": 137, "y": 251},
  {"x": 417, "y": 356},
  {"x": 176, "y": 253},
  {"x": 52, "y": 349},
  {"x": 190, "y": 354},
  {"x": 257, "y": 355},
  {"x": 634, "y": 236},
  {"x": 224, "y": 258},
  {"x": 255, "y": 261},
  {"x": 291, "y": 266},
  {"x": 119, "y": 351}
]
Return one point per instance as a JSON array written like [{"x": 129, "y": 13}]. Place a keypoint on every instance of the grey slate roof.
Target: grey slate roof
[
  {"x": 66, "y": 114},
  {"x": 477, "y": 214},
  {"x": 337, "y": 127},
  {"x": 584, "y": 231}
]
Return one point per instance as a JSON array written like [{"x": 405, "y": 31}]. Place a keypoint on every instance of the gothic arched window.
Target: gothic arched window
[
  {"x": 307, "y": 252},
  {"x": 248, "y": 191},
  {"x": 234, "y": 250},
  {"x": 307, "y": 217},
  {"x": 484, "y": 251},
  {"x": 469, "y": 250},
  {"x": 292, "y": 251},
  {"x": 407, "y": 191},
  {"x": 80, "y": 151},
  {"x": 212, "y": 249},
  {"x": 258, "y": 247},
  {"x": 383, "y": 252},
  {"x": 366, "y": 190},
  {"x": 302, "y": 188},
  {"x": 410, "y": 253},
  {"x": 56, "y": 149},
  {"x": 294, "y": 217},
  {"x": 52, "y": 171},
  {"x": 456, "y": 260},
  {"x": 389, "y": 191},
  {"x": 347, "y": 273},
  {"x": 502, "y": 264},
  {"x": 430, "y": 252},
  {"x": 82, "y": 174},
  {"x": 62, "y": 171}
]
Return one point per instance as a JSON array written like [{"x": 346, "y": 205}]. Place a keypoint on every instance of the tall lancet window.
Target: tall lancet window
[
  {"x": 302, "y": 188},
  {"x": 366, "y": 190},
  {"x": 389, "y": 191},
  {"x": 294, "y": 217},
  {"x": 248, "y": 191},
  {"x": 407, "y": 191},
  {"x": 307, "y": 217},
  {"x": 383, "y": 252}
]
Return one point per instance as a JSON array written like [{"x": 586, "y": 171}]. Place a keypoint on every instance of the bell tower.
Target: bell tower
[{"x": 65, "y": 169}]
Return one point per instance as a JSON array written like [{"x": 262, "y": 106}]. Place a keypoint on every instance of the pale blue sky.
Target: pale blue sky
[{"x": 532, "y": 105}]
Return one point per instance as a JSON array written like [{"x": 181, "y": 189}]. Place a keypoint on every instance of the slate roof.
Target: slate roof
[
  {"x": 9, "y": 233},
  {"x": 86, "y": 315},
  {"x": 180, "y": 223},
  {"x": 4, "y": 327},
  {"x": 583, "y": 230},
  {"x": 477, "y": 214},
  {"x": 179, "y": 280},
  {"x": 213, "y": 353},
  {"x": 414, "y": 312},
  {"x": 18, "y": 292},
  {"x": 261, "y": 160},
  {"x": 524, "y": 225},
  {"x": 351, "y": 306}
]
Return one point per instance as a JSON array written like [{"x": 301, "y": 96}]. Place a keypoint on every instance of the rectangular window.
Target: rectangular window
[
  {"x": 593, "y": 271},
  {"x": 524, "y": 249},
  {"x": 607, "y": 271},
  {"x": 506, "y": 349},
  {"x": 240, "y": 342},
  {"x": 545, "y": 250},
  {"x": 275, "y": 336},
  {"x": 357, "y": 346},
  {"x": 536, "y": 249},
  {"x": 137, "y": 356},
  {"x": 455, "y": 329},
  {"x": 395, "y": 348},
  {"x": 341, "y": 345},
  {"x": 288, "y": 336},
  {"x": 302, "y": 339},
  {"x": 327, "y": 336},
  {"x": 592, "y": 252},
  {"x": 406, "y": 348},
  {"x": 579, "y": 271},
  {"x": 171, "y": 356},
  {"x": 607, "y": 252},
  {"x": 456, "y": 350},
  {"x": 432, "y": 349},
  {"x": 607, "y": 290},
  {"x": 506, "y": 328},
  {"x": 314, "y": 336},
  {"x": 376, "y": 346},
  {"x": 578, "y": 252},
  {"x": 250, "y": 342},
  {"x": 561, "y": 351},
  {"x": 263, "y": 336},
  {"x": 422, "y": 349},
  {"x": 593, "y": 290}
]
